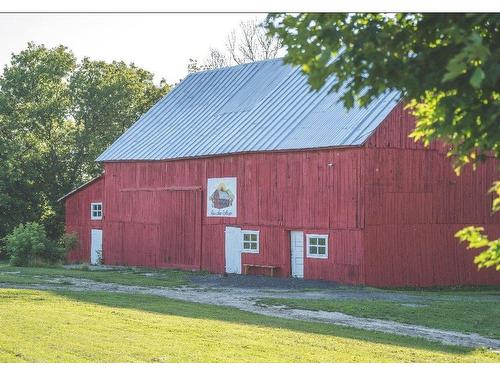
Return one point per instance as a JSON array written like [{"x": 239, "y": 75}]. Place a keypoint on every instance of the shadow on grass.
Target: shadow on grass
[
  {"x": 193, "y": 310},
  {"x": 123, "y": 276}
]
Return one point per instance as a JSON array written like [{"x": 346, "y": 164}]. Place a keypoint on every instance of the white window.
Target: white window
[
  {"x": 317, "y": 246},
  {"x": 96, "y": 211},
  {"x": 250, "y": 241}
]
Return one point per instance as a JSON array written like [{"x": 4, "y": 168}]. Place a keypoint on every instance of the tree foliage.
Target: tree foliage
[
  {"x": 446, "y": 66},
  {"x": 106, "y": 100},
  {"x": 29, "y": 245},
  {"x": 56, "y": 116}
]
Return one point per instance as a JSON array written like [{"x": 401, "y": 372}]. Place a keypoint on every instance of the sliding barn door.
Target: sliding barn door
[
  {"x": 180, "y": 229},
  {"x": 158, "y": 228}
]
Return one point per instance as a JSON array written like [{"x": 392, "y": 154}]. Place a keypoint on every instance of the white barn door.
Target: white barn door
[
  {"x": 297, "y": 253},
  {"x": 233, "y": 247},
  {"x": 95, "y": 245}
]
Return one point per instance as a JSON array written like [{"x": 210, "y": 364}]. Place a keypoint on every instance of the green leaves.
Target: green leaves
[
  {"x": 473, "y": 54},
  {"x": 490, "y": 257},
  {"x": 477, "y": 78},
  {"x": 106, "y": 100},
  {"x": 456, "y": 66},
  {"x": 56, "y": 116},
  {"x": 495, "y": 190}
]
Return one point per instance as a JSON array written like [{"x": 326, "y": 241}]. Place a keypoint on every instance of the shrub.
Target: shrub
[
  {"x": 29, "y": 245},
  {"x": 67, "y": 242}
]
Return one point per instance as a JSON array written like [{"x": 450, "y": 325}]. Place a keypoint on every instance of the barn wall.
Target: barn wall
[
  {"x": 390, "y": 208},
  {"x": 77, "y": 218},
  {"x": 277, "y": 192},
  {"x": 415, "y": 204}
]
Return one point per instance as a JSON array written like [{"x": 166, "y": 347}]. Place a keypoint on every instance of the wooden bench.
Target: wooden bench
[{"x": 246, "y": 267}]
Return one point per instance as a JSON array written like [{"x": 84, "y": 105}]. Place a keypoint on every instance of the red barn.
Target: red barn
[{"x": 244, "y": 169}]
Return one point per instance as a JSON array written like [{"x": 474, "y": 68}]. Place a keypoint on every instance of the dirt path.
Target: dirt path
[{"x": 245, "y": 299}]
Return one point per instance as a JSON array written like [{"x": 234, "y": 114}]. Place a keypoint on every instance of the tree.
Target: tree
[
  {"x": 194, "y": 66},
  {"x": 249, "y": 42},
  {"x": 106, "y": 99},
  {"x": 216, "y": 59},
  {"x": 446, "y": 66},
  {"x": 34, "y": 102},
  {"x": 18, "y": 196},
  {"x": 56, "y": 116}
]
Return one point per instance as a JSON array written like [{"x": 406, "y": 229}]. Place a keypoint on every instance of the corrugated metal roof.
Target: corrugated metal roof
[{"x": 261, "y": 106}]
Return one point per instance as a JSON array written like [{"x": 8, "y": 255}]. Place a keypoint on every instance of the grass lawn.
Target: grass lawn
[
  {"x": 461, "y": 312},
  {"x": 40, "y": 326},
  {"x": 132, "y": 276}
]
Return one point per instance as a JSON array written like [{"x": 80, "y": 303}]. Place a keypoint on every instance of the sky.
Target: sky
[{"x": 160, "y": 43}]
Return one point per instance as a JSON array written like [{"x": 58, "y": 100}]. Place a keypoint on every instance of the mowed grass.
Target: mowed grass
[
  {"x": 40, "y": 326},
  {"x": 462, "y": 312},
  {"x": 131, "y": 276}
]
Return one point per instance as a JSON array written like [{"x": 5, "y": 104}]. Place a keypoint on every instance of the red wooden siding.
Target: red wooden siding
[
  {"x": 77, "y": 213},
  {"x": 315, "y": 191},
  {"x": 154, "y": 227},
  {"x": 414, "y": 204},
  {"x": 345, "y": 258}
]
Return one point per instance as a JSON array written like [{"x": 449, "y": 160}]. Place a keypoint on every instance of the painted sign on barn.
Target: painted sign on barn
[{"x": 221, "y": 200}]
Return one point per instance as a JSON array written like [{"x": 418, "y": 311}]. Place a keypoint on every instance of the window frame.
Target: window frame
[
  {"x": 92, "y": 217},
  {"x": 251, "y": 251},
  {"x": 308, "y": 244}
]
